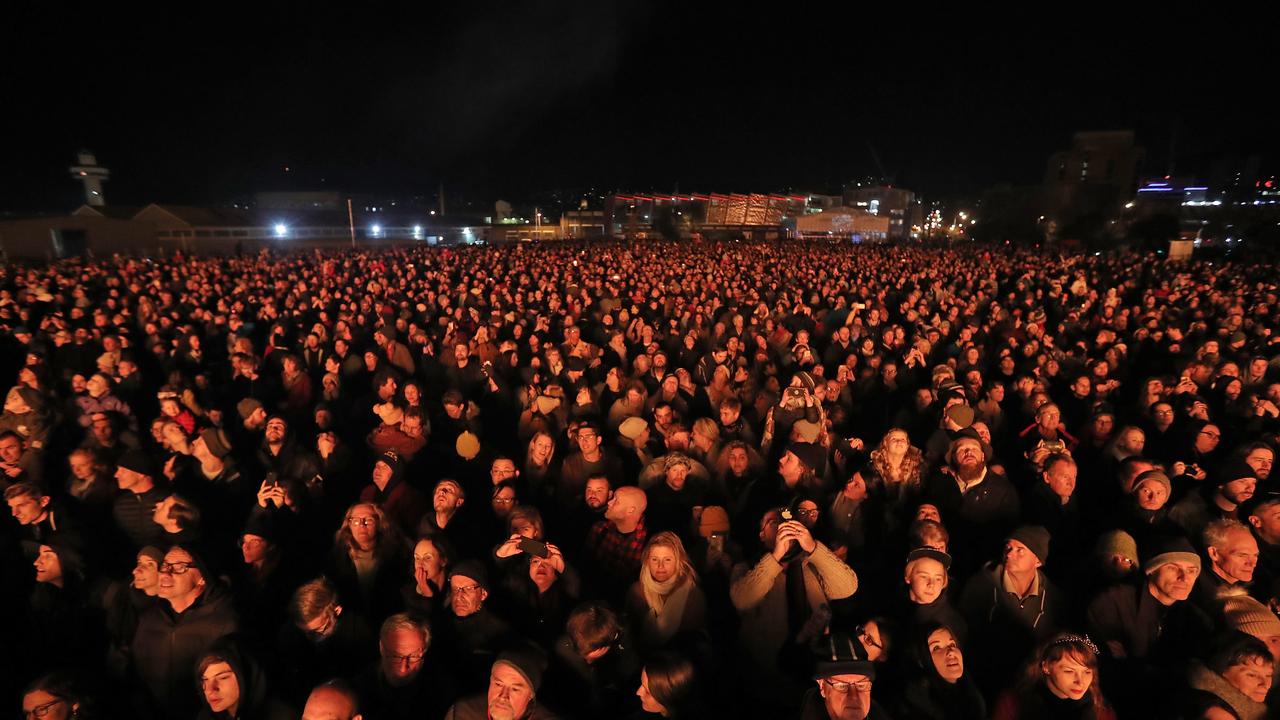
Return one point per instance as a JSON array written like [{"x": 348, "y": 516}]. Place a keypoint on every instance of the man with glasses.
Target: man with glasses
[
  {"x": 171, "y": 635},
  {"x": 406, "y": 683},
  {"x": 844, "y": 677},
  {"x": 322, "y": 641},
  {"x": 475, "y": 634}
]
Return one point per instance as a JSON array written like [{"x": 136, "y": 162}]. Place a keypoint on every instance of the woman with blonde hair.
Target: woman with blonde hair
[
  {"x": 898, "y": 467},
  {"x": 666, "y": 600}
]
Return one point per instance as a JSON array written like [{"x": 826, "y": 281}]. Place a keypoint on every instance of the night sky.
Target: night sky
[{"x": 513, "y": 99}]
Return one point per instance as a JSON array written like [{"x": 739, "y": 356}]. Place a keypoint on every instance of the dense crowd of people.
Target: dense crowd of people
[{"x": 661, "y": 480}]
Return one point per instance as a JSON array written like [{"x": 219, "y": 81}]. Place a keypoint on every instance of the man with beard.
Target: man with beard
[
  {"x": 980, "y": 505},
  {"x": 409, "y": 682},
  {"x": 1234, "y": 483},
  {"x": 595, "y": 500},
  {"x": 280, "y": 454},
  {"x": 514, "y": 680},
  {"x": 616, "y": 543}
]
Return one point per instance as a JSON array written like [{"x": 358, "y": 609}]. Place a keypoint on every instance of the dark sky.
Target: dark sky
[{"x": 509, "y": 99}]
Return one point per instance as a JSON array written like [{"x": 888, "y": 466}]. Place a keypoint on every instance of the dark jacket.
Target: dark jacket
[
  {"x": 167, "y": 645},
  {"x": 476, "y": 707},
  {"x": 813, "y": 707},
  {"x": 256, "y": 700}
]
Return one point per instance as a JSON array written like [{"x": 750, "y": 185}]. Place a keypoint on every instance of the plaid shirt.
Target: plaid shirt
[{"x": 616, "y": 554}]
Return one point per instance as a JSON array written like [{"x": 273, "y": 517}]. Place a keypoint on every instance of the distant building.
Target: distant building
[
  {"x": 1092, "y": 180},
  {"x": 300, "y": 201},
  {"x": 899, "y": 205},
  {"x": 160, "y": 229},
  {"x": 844, "y": 223},
  {"x": 715, "y": 215}
]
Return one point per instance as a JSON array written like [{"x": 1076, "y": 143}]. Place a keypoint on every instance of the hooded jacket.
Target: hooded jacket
[
  {"x": 256, "y": 702},
  {"x": 167, "y": 645}
]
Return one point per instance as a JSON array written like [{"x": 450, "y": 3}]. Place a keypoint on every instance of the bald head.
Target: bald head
[
  {"x": 632, "y": 497},
  {"x": 331, "y": 701}
]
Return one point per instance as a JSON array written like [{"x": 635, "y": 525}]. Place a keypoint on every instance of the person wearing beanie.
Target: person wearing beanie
[
  {"x": 980, "y": 504},
  {"x": 802, "y": 466},
  {"x": 1249, "y": 616},
  {"x": 133, "y": 508},
  {"x": 1011, "y": 604},
  {"x": 473, "y": 633},
  {"x": 403, "y": 504},
  {"x": 845, "y": 678},
  {"x": 1116, "y": 558},
  {"x": 1234, "y": 679},
  {"x": 514, "y": 680},
  {"x": 1151, "y": 618},
  {"x": 1232, "y": 484}
]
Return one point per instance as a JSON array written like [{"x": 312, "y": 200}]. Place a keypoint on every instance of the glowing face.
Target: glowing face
[
  {"x": 1151, "y": 495},
  {"x": 662, "y": 563},
  {"x": 1067, "y": 677},
  {"x": 1172, "y": 582},
  {"x": 946, "y": 656},
  {"x": 146, "y": 575},
  {"x": 466, "y": 596},
  {"x": 221, "y": 688},
  {"x": 926, "y": 579},
  {"x": 1252, "y": 677},
  {"x": 1018, "y": 558}
]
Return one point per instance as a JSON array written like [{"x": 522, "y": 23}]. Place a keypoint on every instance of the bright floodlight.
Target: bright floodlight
[
  {"x": 281, "y": 230},
  {"x": 377, "y": 229}
]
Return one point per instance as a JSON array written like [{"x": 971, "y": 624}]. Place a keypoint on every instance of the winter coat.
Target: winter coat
[
  {"x": 167, "y": 645},
  {"x": 1209, "y": 689}
]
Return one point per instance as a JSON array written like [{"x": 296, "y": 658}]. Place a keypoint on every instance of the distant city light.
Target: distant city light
[{"x": 281, "y": 230}]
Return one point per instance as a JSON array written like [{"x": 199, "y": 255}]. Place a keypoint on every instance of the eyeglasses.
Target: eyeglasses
[
  {"x": 1210, "y": 435},
  {"x": 178, "y": 568},
  {"x": 412, "y": 659},
  {"x": 330, "y": 619},
  {"x": 867, "y": 638},
  {"x": 844, "y": 687},
  {"x": 40, "y": 711},
  {"x": 362, "y": 522},
  {"x": 802, "y": 512},
  {"x": 466, "y": 590},
  {"x": 504, "y": 501}
]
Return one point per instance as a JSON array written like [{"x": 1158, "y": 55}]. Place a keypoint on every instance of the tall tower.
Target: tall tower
[{"x": 92, "y": 176}]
